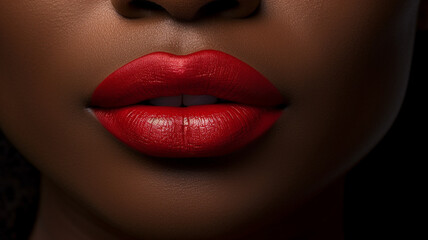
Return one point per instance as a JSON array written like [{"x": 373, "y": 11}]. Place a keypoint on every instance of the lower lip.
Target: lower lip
[{"x": 195, "y": 131}]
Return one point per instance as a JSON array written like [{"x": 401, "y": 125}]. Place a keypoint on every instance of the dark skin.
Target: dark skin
[{"x": 343, "y": 66}]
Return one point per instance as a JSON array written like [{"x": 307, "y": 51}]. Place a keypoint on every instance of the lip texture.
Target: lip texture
[{"x": 194, "y": 131}]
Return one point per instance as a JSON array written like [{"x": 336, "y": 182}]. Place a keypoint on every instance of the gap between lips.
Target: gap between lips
[{"x": 184, "y": 100}]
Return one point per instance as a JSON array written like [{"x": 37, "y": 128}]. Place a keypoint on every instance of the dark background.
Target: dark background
[{"x": 383, "y": 193}]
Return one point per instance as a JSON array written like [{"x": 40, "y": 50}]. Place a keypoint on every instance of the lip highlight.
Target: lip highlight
[{"x": 193, "y": 131}]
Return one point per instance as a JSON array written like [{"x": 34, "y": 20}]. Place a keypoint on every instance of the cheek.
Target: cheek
[
  {"x": 345, "y": 68},
  {"x": 41, "y": 83}
]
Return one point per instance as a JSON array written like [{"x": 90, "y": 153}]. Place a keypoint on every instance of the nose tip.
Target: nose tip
[{"x": 186, "y": 10}]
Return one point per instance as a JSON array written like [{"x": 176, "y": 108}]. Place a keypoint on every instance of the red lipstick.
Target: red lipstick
[{"x": 253, "y": 106}]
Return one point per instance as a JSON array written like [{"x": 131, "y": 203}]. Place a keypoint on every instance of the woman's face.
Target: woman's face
[{"x": 342, "y": 66}]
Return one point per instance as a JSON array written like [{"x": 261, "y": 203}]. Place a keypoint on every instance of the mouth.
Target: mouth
[{"x": 204, "y": 104}]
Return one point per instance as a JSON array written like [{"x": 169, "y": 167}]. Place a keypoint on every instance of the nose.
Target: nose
[{"x": 186, "y": 10}]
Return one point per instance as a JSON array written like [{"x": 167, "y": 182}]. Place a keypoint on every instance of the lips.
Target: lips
[{"x": 248, "y": 104}]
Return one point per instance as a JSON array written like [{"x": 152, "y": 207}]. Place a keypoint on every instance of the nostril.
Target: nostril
[
  {"x": 145, "y": 5},
  {"x": 187, "y": 10},
  {"x": 218, "y": 6},
  {"x": 136, "y": 8}
]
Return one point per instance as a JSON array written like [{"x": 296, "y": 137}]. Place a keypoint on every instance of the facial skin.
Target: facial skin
[{"x": 343, "y": 66}]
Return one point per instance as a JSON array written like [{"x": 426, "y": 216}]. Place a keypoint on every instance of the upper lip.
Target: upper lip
[{"x": 207, "y": 72}]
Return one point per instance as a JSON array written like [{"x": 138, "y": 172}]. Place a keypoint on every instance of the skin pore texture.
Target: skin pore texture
[{"x": 342, "y": 65}]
